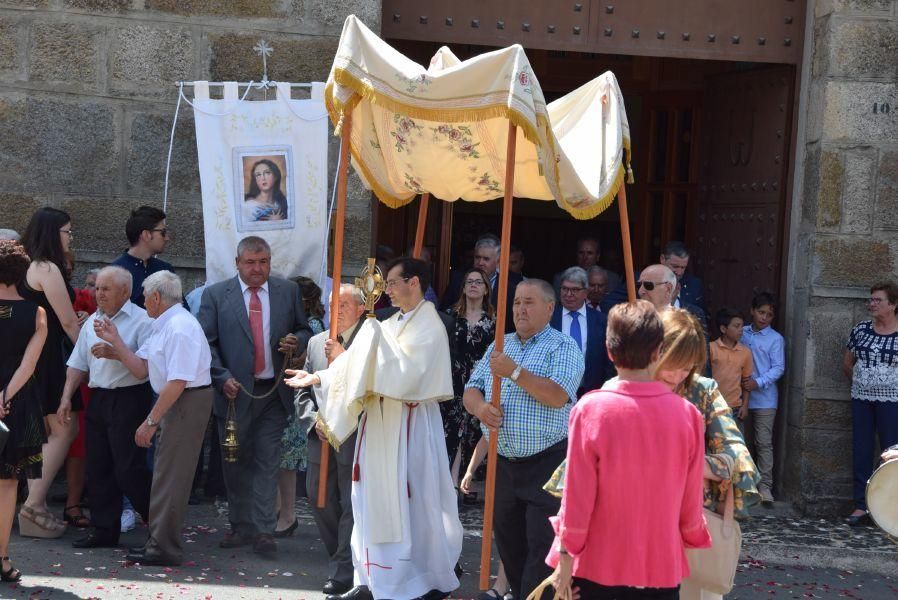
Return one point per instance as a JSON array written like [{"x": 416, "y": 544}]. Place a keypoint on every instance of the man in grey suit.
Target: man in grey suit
[
  {"x": 335, "y": 519},
  {"x": 251, "y": 321}
]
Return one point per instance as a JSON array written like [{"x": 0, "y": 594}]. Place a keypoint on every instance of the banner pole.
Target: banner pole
[
  {"x": 625, "y": 240},
  {"x": 339, "y": 222},
  {"x": 486, "y": 548}
]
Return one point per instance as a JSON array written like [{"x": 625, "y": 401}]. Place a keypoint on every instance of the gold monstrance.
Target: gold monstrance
[{"x": 371, "y": 284}]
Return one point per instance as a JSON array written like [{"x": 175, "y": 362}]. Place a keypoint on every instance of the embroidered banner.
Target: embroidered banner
[
  {"x": 444, "y": 129},
  {"x": 263, "y": 171}
]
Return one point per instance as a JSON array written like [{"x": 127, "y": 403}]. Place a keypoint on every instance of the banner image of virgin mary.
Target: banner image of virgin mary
[{"x": 264, "y": 181}]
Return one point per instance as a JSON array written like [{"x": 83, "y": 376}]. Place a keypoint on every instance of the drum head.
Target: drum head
[{"x": 882, "y": 497}]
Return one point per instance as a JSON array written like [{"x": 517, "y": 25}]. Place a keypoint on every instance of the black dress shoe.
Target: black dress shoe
[
  {"x": 283, "y": 533},
  {"x": 154, "y": 560},
  {"x": 859, "y": 520},
  {"x": 95, "y": 539},
  {"x": 434, "y": 595},
  {"x": 265, "y": 546},
  {"x": 235, "y": 540},
  {"x": 335, "y": 588},
  {"x": 360, "y": 592},
  {"x": 137, "y": 550}
]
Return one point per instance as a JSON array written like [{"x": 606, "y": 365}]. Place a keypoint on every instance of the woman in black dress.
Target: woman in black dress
[
  {"x": 46, "y": 240},
  {"x": 475, "y": 325},
  {"x": 23, "y": 327}
]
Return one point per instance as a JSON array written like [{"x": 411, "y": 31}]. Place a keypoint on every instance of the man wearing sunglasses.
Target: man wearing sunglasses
[
  {"x": 658, "y": 284},
  {"x": 147, "y": 237}
]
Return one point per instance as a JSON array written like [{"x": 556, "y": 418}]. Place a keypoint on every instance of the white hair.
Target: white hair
[
  {"x": 575, "y": 275},
  {"x": 543, "y": 286},
  {"x": 10, "y": 234},
  {"x": 120, "y": 275},
  {"x": 166, "y": 283},
  {"x": 356, "y": 292}
]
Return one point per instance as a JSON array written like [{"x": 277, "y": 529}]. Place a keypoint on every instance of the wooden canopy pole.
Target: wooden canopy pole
[
  {"x": 422, "y": 225},
  {"x": 625, "y": 239},
  {"x": 486, "y": 549},
  {"x": 339, "y": 222}
]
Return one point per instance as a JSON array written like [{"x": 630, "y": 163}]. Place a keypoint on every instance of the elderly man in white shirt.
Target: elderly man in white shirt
[
  {"x": 177, "y": 359},
  {"x": 119, "y": 403}
]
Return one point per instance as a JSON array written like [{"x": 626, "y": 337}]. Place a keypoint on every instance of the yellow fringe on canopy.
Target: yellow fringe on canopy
[{"x": 594, "y": 210}]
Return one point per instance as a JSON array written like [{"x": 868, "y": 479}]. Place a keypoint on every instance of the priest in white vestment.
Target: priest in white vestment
[{"x": 407, "y": 537}]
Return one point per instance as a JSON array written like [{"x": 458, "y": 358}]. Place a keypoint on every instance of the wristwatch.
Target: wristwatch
[
  {"x": 151, "y": 423},
  {"x": 516, "y": 373}
]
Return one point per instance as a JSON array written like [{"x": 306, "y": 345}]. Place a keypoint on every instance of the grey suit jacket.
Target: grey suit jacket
[
  {"x": 226, "y": 324},
  {"x": 316, "y": 361}
]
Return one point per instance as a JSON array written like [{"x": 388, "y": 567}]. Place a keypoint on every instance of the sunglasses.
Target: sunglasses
[{"x": 648, "y": 285}]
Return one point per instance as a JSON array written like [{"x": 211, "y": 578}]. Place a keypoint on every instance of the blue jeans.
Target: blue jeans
[{"x": 869, "y": 418}]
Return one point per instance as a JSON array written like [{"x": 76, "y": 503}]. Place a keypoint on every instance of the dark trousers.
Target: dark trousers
[
  {"x": 521, "y": 516},
  {"x": 252, "y": 481},
  {"x": 590, "y": 590},
  {"x": 335, "y": 520},
  {"x": 868, "y": 419},
  {"x": 115, "y": 464}
]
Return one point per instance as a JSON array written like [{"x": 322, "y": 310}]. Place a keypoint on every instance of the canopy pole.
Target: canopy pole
[
  {"x": 422, "y": 225},
  {"x": 486, "y": 549},
  {"x": 625, "y": 240},
  {"x": 339, "y": 222}
]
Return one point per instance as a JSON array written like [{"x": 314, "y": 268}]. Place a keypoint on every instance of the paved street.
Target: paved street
[{"x": 784, "y": 558}]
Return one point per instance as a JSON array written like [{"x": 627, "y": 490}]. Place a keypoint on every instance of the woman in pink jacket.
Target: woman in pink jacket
[{"x": 633, "y": 491}]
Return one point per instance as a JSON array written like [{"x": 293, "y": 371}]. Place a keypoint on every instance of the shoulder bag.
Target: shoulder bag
[{"x": 714, "y": 569}]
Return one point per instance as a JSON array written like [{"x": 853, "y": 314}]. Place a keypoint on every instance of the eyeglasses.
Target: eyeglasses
[
  {"x": 474, "y": 282},
  {"x": 649, "y": 285},
  {"x": 389, "y": 283},
  {"x": 571, "y": 290},
  {"x": 163, "y": 231},
  {"x": 874, "y": 301},
  {"x": 68, "y": 232}
]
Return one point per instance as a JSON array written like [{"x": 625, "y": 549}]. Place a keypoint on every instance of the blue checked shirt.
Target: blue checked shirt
[{"x": 529, "y": 427}]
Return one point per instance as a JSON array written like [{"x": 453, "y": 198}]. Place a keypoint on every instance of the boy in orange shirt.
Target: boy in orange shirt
[{"x": 731, "y": 362}]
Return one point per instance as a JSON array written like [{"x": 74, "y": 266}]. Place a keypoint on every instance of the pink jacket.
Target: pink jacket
[{"x": 633, "y": 490}]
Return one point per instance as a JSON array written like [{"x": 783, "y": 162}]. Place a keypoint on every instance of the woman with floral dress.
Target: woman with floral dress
[
  {"x": 871, "y": 362},
  {"x": 475, "y": 326},
  {"x": 293, "y": 442}
]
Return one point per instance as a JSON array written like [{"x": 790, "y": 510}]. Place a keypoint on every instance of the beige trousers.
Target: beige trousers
[{"x": 178, "y": 445}]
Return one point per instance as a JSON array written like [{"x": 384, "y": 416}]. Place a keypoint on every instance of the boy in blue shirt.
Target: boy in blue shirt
[{"x": 768, "y": 355}]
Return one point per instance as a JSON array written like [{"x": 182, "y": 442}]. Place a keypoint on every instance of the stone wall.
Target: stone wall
[
  {"x": 86, "y": 106},
  {"x": 844, "y": 231}
]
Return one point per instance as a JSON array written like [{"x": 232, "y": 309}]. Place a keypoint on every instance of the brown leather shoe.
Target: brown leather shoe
[
  {"x": 265, "y": 546},
  {"x": 235, "y": 540}
]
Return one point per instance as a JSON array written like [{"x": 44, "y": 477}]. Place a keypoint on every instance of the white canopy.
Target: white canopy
[{"x": 444, "y": 129}]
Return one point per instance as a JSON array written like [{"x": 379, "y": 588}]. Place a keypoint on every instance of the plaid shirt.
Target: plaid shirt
[{"x": 529, "y": 427}]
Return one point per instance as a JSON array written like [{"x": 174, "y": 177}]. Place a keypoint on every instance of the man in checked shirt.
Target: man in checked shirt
[{"x": 541, "y": 369}]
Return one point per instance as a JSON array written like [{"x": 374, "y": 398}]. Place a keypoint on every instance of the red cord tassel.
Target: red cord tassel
[{"x": 356, "y": 472}]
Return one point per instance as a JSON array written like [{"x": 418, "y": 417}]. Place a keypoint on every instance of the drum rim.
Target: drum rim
[{"x": 867, "y": 492}]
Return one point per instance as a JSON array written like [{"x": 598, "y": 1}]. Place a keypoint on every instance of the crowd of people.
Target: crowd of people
[{"x": 140, "y": 376}]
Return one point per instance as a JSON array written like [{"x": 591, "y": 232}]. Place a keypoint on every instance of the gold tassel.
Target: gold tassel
[
  {"x": 338, "y": 130},
  {"x": 630, "y": 174}
]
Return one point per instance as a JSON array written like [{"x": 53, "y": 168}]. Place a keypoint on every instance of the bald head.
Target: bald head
[{"x": 663, "y": 282}]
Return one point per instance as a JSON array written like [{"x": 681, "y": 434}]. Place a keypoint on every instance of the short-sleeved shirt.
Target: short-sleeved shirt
[
  {"x": 177, "y": 349},
  {"x": 133, "y": 326},
  {"x": 140, "y": 271},
  {"x": 875, "y": 376},
  {"x": 529, "y": 427},
  {"x": 728, "y": 367}
]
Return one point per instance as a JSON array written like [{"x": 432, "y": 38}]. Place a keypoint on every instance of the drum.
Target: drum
[{"x": 882, "y": 497}]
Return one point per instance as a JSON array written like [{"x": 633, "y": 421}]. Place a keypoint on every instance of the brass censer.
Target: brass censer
[{"x": 230, "y": 448}]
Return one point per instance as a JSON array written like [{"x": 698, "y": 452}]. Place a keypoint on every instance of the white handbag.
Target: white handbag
[{"x": 714, "y": 569}]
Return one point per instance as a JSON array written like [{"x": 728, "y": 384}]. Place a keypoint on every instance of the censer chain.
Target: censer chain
[{"x": 287, "y": 357}]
